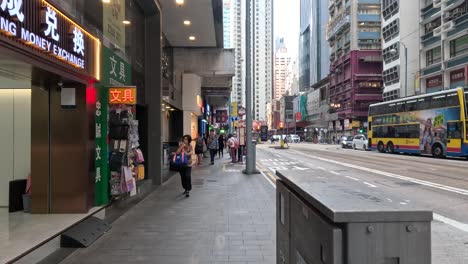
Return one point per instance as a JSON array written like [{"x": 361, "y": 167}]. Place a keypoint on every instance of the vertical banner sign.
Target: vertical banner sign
[
  {"x": 234, "y": 109},
  {"x": 112, "y": 17},
  {"x": 101, "y": 183},
  {"x": 115, "y": 72}
]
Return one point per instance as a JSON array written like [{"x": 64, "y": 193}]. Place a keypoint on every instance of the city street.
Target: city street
[{"x": 440, "y": 185}]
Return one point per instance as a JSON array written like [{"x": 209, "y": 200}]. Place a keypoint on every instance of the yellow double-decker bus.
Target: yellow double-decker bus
[{"x": 430, "y": 124}]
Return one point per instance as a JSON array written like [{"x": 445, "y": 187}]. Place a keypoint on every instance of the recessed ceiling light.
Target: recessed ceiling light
[
  {"x": 172, "y": 109},
  {"x": 168, "y": 107},
  {"x": 187, "y": 22},
  {"x": 126, "y": 22},
  {"x": 106, "y": 1},
  {"x": 180, "y": 2},
  {"x": 192, "y": 38}
]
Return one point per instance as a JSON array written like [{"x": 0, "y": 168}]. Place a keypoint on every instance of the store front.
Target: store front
[
  {"x": 48, "y": 68},
  {"x": 434, "y": 84}
]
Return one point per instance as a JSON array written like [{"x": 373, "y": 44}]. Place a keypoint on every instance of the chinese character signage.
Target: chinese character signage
[
  {"x": 101, "y": 177},
  {"x": 112, "y": 17},
  {"x": 122, "y": 95},
  {"x": 115, "y": 70},
  {"x": 45, "y": 29},
  {"x": 221, "y": 116}
]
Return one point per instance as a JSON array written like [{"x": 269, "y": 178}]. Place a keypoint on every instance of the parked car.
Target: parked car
[
  {"x": 360, "y": 142},
  {"x": 346, "y": 141},
  {"x": 294, "y": 138}
]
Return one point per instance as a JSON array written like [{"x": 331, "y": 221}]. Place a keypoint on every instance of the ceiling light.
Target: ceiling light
[
  {"x": 172, "y": 109},
  {"x": 192, "y": 38},
  {"x": 187, "y": 22},
  {"x": 179, "y": 2},
  {"x": 168, "y": 107},
  {"x": 106, "y": 1},
  {"x": 126, "y": 22}
]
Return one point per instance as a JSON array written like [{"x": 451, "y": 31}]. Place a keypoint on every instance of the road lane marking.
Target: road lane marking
[
  {"x": 370, "y": 185},
  {"x": 334, "y": 172},
  {"x": 403, "y": 203},
  {"x": 451, "y": 222},
  {"x": 266, "y": 177},
  {"x": 395, "y": 176},
  {"x": 352, "y": 178},
  {"x": 390, "y": 200},
  {"x": 320, "y": 168}
]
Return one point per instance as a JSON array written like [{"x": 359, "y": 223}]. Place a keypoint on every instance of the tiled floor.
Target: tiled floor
[
  {"x": 229, "y": 218},
  {"x": 20, "y": 232}
]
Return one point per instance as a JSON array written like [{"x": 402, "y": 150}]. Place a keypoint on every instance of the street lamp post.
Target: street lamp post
[{"x": 393, "y": 52}]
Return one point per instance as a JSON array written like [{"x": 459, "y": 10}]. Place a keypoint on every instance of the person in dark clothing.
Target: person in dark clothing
[
  {"x": 213, "y": 145},
  {"x": 221, "y": 146},
  {"x": 186, "y": 171}
]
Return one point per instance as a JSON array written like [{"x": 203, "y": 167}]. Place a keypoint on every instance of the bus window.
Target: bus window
[{"x": 454, "y": 130}]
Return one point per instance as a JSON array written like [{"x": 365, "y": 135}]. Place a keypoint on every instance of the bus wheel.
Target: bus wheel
[
  {"x": 390, "y": 148},
  {"x": 437, "y": 151},
  {"x": 380, "y": 147}
]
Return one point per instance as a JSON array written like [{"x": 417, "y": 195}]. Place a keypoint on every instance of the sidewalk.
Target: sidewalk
[{"x": 229, "y": 218}]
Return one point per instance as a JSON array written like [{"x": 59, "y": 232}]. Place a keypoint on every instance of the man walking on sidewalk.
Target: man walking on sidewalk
[{"x": 213, "y": 145}]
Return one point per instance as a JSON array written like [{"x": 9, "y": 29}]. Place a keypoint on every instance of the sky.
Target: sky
[{"x": 286, "y": 23}]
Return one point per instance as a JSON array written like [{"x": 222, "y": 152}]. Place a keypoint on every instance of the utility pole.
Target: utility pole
[{"x": 250, "y": 167}]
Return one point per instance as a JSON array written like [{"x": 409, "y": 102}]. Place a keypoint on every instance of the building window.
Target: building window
[
  {"x": 391, "y": 95},
  {"x": 388, "y": 56},
  {"x": 429, "y": 27},
  {"x": 389, "y": 8},
  {"x": 433, "y": 56},
  {"x": 391, "y": 75},
  {"x": 391, "y": 30},
  {"x": 459, "y": 46}
]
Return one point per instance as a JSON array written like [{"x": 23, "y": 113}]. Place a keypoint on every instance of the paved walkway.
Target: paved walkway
[{"x": 229, "y": 218}]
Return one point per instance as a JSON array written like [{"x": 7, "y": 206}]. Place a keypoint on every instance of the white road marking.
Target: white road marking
[
  {"x": 408, "y": 201},
  {"x": 390, "y": 200},
  {"x": 448, "y": 221},
  {"x": 320, "y": 168},
  {"x": 396, "y": 176},
  {"x": 403, "y": 203},
  {"x": 352, "y": 178},
  {"x": 370, "y": 185},
  {"x": 334, "y": 172}
]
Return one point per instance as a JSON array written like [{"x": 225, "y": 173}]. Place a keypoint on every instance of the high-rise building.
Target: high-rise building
[
  {"x": 282, "y": 70},
  {"x": 444, "y": 38},
  {"x": 262, "y": 61},
  {"x": 228, "y": 25},
  {"x": 234, "y": 37},
  {"x": 353, "y": 33},
  {"x": 313, "y": 46},
  {"x": 394, "y": 40}
]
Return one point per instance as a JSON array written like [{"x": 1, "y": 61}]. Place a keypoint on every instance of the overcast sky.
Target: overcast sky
[{"x": 286, "y": 23}]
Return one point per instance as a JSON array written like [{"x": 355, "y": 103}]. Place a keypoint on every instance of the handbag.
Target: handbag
[
  {"x": 139, "y": 156},
  {"x": 179, "y": 161}
]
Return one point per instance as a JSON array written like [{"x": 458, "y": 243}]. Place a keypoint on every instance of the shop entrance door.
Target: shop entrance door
[{"x": 61, "y": 146}]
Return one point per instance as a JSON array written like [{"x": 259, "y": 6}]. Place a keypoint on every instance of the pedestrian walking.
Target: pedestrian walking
[
  {"x": 213, "y": 145},
  {"x": 233, "y": 146},
  {"x": 185, "y": 171},
  {"x": 199, "y": 149},
  {"x": 221, "y": 146}
]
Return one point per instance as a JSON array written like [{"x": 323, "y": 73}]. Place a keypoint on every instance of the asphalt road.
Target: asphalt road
[{"x": 440, "y": 185}]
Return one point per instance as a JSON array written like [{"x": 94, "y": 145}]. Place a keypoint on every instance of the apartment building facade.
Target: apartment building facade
[
  {"x": 444, "y": 44},
  {"x": 354, "y": 36},
  {"x": 400, "y": 30}
]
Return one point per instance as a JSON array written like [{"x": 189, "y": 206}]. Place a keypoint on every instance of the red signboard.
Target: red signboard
[
  {"x": 458, "y": 75},
  {"x": 434, "y": 82},
  {"x": 298, "y": 117},
  {"x": 221, "y": 116}
]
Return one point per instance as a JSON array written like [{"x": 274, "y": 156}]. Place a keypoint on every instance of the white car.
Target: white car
[
  {"x": 360, "y": 142},
  {"x": 294, "y": 138}
]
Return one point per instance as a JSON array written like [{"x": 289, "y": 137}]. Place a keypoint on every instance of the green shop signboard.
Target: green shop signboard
[{"x": 115, "y": 72}]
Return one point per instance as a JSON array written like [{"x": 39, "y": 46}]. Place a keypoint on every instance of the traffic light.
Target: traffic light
[
  {"x": 258, "y": 127},
  {"x": 281, "y": 124},
  {"x": 361, "y": 130}
]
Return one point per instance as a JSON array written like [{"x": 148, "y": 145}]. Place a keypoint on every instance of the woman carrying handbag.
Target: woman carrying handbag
[{"x": 185, "y": 151}]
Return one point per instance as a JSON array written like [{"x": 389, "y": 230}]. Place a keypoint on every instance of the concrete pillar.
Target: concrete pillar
[{"x": 153, "y": 84}]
